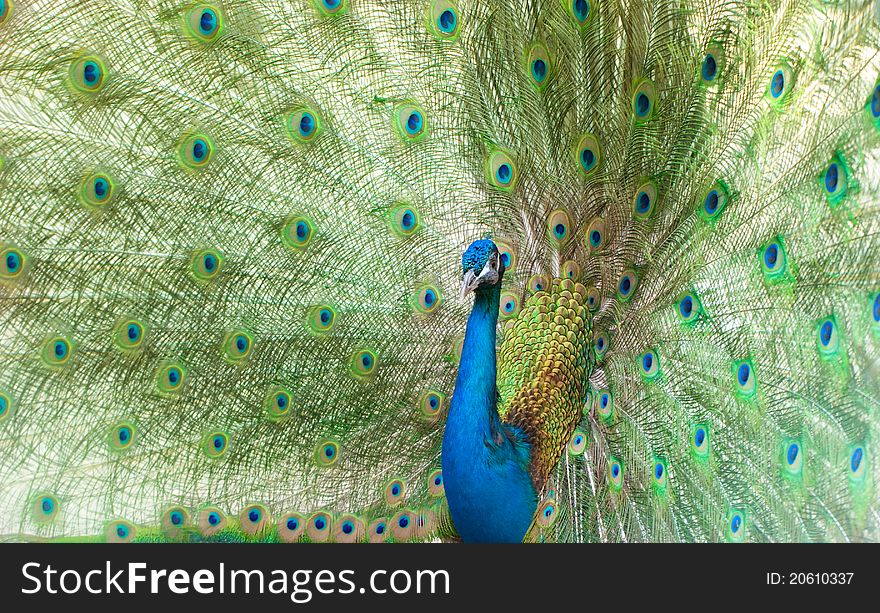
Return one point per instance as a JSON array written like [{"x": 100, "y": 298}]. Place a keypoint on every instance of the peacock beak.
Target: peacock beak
[{"x": 469, "y": 283}]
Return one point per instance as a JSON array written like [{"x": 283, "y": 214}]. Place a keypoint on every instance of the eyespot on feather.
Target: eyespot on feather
[
  {"x": 87, "y": 74},
  {"x": 291, "y": 527},
  {"x": 501, "y": 170},
  {"x": 254, "y": 519},
  {"x": 203, "y": 23},
  {"x": 303, "y": 124}
]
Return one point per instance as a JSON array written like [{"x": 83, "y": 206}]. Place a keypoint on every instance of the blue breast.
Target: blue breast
[{"x": 485, "y": 463}]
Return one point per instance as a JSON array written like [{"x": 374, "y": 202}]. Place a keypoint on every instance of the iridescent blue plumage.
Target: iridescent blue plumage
[{"x": 485, "y": 463}]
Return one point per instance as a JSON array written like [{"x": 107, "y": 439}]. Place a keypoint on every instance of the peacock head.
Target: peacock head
[{"x": 481, "y": 266}]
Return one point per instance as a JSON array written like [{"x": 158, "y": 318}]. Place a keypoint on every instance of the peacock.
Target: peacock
[{"x": 439, "y": 270}]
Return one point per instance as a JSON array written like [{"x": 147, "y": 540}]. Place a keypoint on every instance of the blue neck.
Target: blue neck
[
  {"x": 485, "y": 464},
  {"x": 473, "y": 408}
]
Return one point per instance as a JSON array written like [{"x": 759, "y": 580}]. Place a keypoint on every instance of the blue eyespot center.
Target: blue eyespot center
[
  {"x": 735, "y": 524},
  {"x": 686, "y": 307},
  {"x": 210, "y": 262},
  {"x": 281, "y": 401},
  {"x": 325, "y": 316},
  {"x": 433, "y": 401},
  {"x": 320, "y": 524},
  {"x": 588, "y": 158},
  {"x": 875, "y": 102},
  {"x": 430, "y": 297},
  {"x": 302, "y": 230},
  {"x": 253, "y": 516},
  {"x": 306, "y": 124},
  {"x": 792, "y": 454},
  {"x": 176, "y": 518},
  {"x": 46, "y": 504},
  {"x": 292, "y": 524},
  {"x": 207, "y": 22},
  {"x": 699, "y": 437},
  {"x": 121, "y": 531},
  {"x": 329, "y": 451},
  {"x": 213, "y": 518},
  {"x": 408, "y": 220},
  {"x": 600, "y": 343},
  {"x": 548, "y": 511},
  {"x": 199, "y": 150},
  {"x": 380, "y": 529},
  {"x": 777, "y": 84},
  {"x": 643, "y": 104},
  {"x": 13, "y": 261},
  {"x": 595, "y": 238},
  {"x": 625, "y": 285},
  {"x": 647, "y": 361},
  {"x": 91, "y": 72},
  {"x": 101, "y": 188},
  {"x": 124, "y": 435},
  {"x": 347, "y": 528},
  {"x": 615, "y": 470},
  {"x": 644, "y": 202},
  {"x": 559, "y": 230},
  {"x": 581, "y": 10},
  {"x": 367, "y": 360},
  {"x": 60, "y": 349},
  {"x": 825, "y": 332},
  {"x": 447, "y": 21},
  {"x": 173, "y": 376},
  {"x": 395, "y": 490},
  {"x": 604, "y": 400},
  {"x": 856, "y": 459},
  {"x": 771, "y": 255},
  {"x": 831, "y": 178},
  {"x": 414, "y": 123},
  {"x": 133, "y": 332},
  {"x": 504, "y": 173},
  {"x": 403, "y": 522},
  {"x": 241, "y": 343},
  {"x": 710, "y": 67},
  {"x": 711, "y": 204},
  {"x": 743, "y": 374},
  {"x": 877, "y": 307},
  {"x": 658, "y": 470},
  {"x": 218, "y": 442},
  {"x": 438, "y": 480},
  {"x": 539, "y": 70}
]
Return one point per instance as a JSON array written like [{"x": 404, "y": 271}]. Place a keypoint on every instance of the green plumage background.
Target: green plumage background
[{"x": 90, "y": 267}]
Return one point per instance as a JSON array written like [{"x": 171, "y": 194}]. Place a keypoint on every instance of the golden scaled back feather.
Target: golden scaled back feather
[{"x": 543, "y": 367}]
